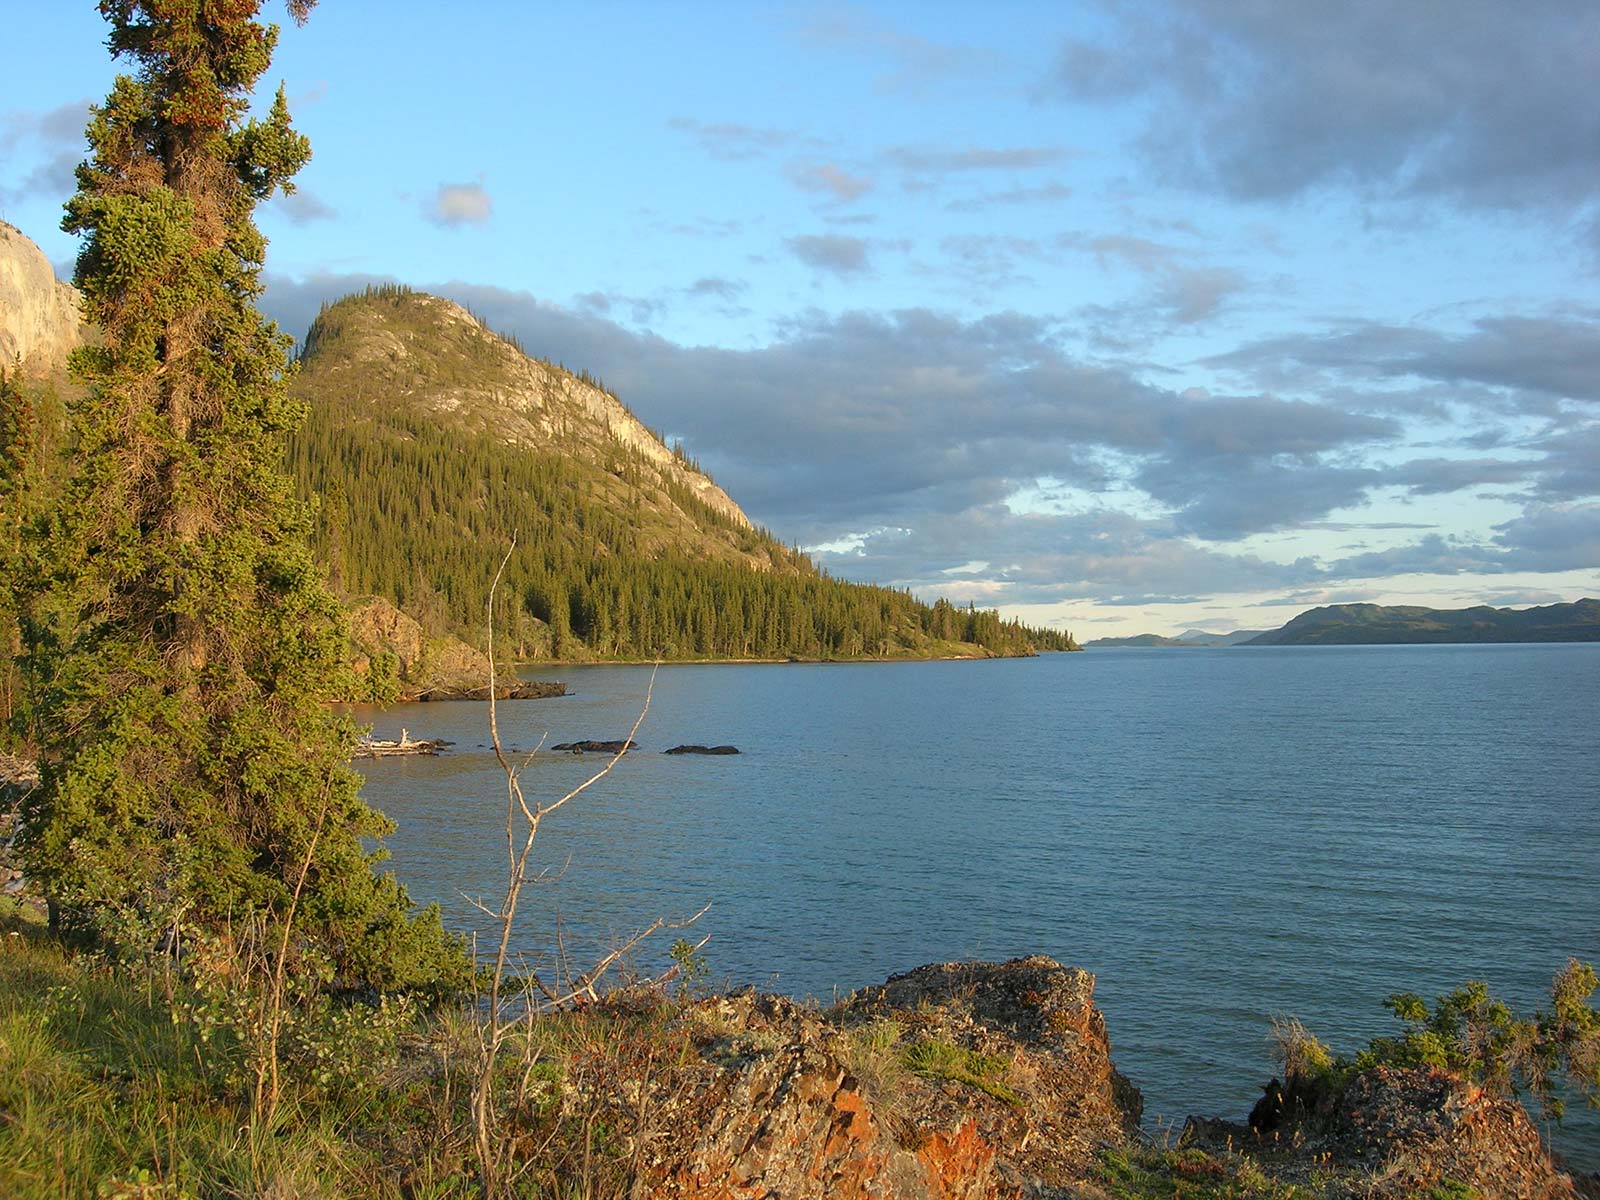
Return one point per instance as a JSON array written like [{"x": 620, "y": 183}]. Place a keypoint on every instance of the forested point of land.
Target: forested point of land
[{"x": 615, "y": 557}]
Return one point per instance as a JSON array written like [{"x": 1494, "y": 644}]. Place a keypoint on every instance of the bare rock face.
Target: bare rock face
[
  {"x": 432, "y": 668},
  {"x": 961, "y": 1081},
  {"x": 379, "y": 625},
  {"x": 40, "y": 320}
]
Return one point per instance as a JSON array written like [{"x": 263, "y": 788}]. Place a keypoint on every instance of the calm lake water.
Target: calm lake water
[{"x": 1219, "y": 835}]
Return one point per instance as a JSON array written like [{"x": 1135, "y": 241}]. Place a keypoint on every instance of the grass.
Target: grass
[
  {"x": 107, "y": 1090},
  {"x": 122, "y": 1084},
  {"x": 1155, "y": 1173},
  {"x": 872, "y": 1052},
  {"x": 936, "y": 1059}
]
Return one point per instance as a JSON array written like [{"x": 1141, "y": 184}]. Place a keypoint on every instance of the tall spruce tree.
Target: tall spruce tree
[{"x": 185, "y": 644}]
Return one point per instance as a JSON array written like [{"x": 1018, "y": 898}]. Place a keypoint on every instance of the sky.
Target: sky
[{"x": 1121, "y": 317}]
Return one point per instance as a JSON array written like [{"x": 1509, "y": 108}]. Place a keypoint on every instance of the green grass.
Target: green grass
[
  {"x": 935, "y": 1059},
  {"x": 106, "y": 1090},
  {"x": 1160, "y": 1174}
]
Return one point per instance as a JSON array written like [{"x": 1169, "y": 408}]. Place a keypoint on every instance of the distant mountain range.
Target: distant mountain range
[
  {"x": 1377, "y": 624},
  {"x": 1189, "y": 637}
]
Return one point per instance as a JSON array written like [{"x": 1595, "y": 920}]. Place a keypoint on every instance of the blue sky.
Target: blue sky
[{"x": 1128, "y": 317}]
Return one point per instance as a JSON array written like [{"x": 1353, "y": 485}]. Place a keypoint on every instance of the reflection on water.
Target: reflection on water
[{"x": 1220, "y": 835}]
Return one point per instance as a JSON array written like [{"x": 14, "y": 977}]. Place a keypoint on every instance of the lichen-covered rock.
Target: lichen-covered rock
[
  {"x": 1419, "y": 1129},
  {"x": 962, "y": 1081},
  {"x": 1394, "y": 1134},
  {"x": 1060, "y": 1100}
]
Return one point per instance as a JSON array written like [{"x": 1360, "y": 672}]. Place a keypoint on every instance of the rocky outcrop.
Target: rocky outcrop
[
  {"x": 1400, "y": 1132},
  {"x": 535, "y": 689},
  {"x": 963, "y": 1081},
  {"x": 427, "y": 668},
  {"x": 40, "y": 321},
  {"x": 1420, "y": 1129},
  {"x": 1039, "y": 1018}
]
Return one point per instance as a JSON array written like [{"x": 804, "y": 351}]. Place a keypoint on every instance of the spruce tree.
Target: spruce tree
[{"x": 187, "y": 644}]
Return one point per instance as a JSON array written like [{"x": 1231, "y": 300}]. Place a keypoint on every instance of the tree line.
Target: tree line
[{"x": 417, "y": 512}]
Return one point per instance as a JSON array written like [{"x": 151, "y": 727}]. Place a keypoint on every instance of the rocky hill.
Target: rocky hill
[
  {"x": 392, "y": 350},
  {"x": 430, "y": 440},
  {"x": 1373, "y": 624}
]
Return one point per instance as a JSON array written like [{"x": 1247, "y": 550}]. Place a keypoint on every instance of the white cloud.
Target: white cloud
[{"x": 456, "y": 204}]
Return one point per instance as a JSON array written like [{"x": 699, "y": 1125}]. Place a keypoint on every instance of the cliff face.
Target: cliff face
[
  {"x": 425, "y": 668},
  {"x": 39, "y": 317}
]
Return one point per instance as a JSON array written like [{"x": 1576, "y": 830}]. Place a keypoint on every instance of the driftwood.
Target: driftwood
[{"x": 370, "y": 747}]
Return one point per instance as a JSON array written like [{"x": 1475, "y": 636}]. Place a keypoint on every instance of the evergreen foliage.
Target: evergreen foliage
[
  {"x": 180, "y": 641},
  {"x": 1474, "y": 1036},
  {"x": 615, "y": 558},
  {"x": 34, "y": 458}
]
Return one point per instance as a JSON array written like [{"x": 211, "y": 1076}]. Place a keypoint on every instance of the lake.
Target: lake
[{"x": 1220, "y": 835}]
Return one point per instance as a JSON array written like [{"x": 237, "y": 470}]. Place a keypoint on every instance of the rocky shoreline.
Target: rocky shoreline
[
  {"x": 995, "y": 1082},
  {"x": 987, "y": 1081}
]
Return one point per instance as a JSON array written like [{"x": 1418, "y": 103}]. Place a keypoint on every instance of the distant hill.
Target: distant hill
[
  {"x": 1199, "y": 637},
  {"x": 430, "y": 440},
  {"x": 1189, "y": 637},
  {"x": 1373, "y": 624}
]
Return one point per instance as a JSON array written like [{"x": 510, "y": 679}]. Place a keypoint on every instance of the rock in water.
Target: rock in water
[{"x": 536, "y": 689}]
